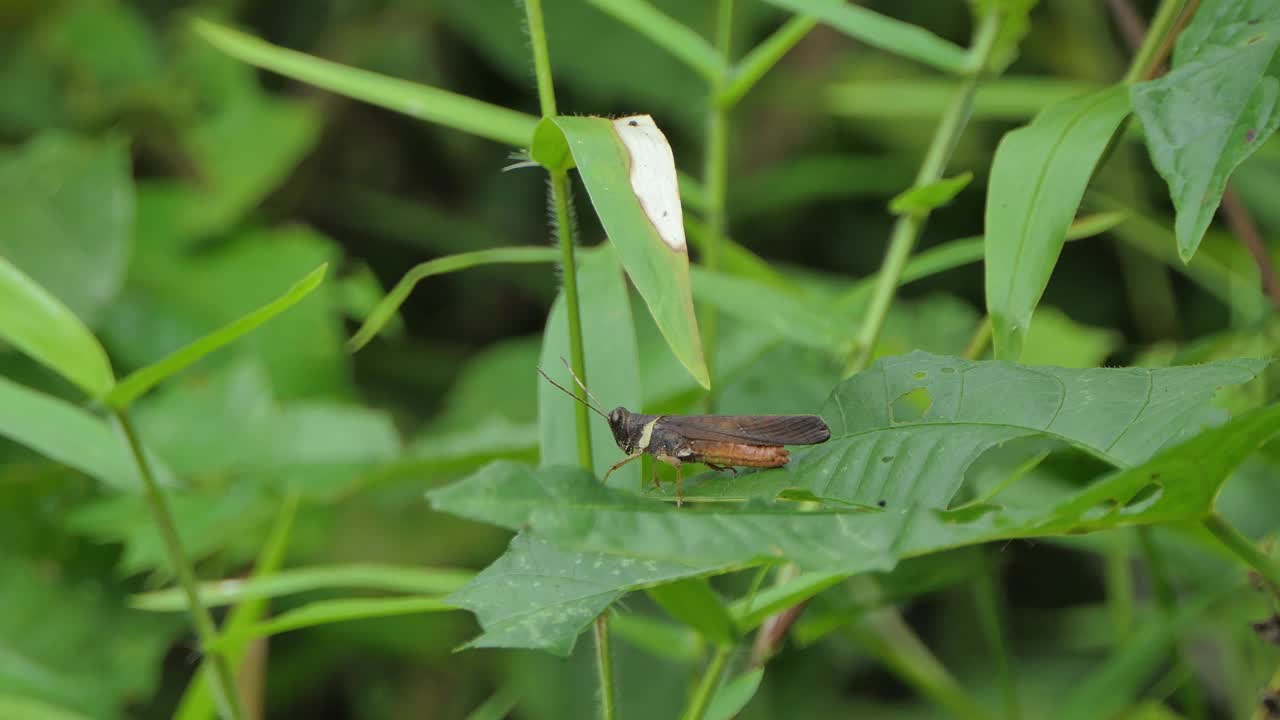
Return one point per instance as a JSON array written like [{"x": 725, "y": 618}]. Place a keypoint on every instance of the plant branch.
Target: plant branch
[
  {"x": 224, "y": 685},
  {"x": 1245, "y": 549},
  {"x": 706, "y": 689},
  {"x": 1246, "y": 231},
  {"x": 1157, "y": 42},
  {"x": 604, "y": 666},
  {"x": 1192, "y": 699},
  {"x": 762, "y": 58},
  {"x": 715, "y": 179}
]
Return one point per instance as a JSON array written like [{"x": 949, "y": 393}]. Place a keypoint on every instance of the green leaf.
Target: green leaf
[
  {"x": 1014, "y": 23},
  {"x": 140, "y": 381},
  {"x": 693, "y": 602},
  {"x": 1215, "y": 107},
  {"x": 1056, "y": 339},
  {"x": 324, "y": 612},
  {"x": 612, "y": 367},
  {"x": 750, "y": 613},
  {"x": 905, "y": 431},
  {"x": 420, "y": 101},
  {"x": 798, "y": 320},
  {"x": 66, "y": 434},
  {"x": 67, "y": 206},
  {"x": 384, "y": 578},
  {"x": 387, "y": 307},
  {"x": 667, "y": 33},
  {"x": 659, "y": 270},
  {"x": 924, "y": 198},
  {"x": 43, "y": 328},
  {"x": 662, "y": 639},
  {"x": 734, "y": 695},
  {"x": 1011, "y": 98},
  {"x": 1038, "y": 178},
  {"x": 17, "y": 706},
  {"x": 883, "y": 32}
]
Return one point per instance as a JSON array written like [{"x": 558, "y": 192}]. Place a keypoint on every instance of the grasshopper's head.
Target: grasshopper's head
[{"x": 620, "y": 423}]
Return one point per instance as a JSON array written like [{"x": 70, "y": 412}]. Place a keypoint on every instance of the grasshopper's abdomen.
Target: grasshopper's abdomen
[{"x": 735, "y": 454}]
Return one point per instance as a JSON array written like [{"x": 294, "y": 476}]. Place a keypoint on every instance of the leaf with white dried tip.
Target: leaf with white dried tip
[{"x": 653, "y": 176}]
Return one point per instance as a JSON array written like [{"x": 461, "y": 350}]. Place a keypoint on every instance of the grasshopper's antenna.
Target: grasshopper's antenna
[
  {"x": 574, "y": 375},
  {"x": 593, "y": 408}
]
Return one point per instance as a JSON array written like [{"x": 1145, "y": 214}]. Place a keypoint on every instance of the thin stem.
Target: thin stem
[
  {"x": 1246, "y": 550},
  {"x": 990, "y": 617},
  {"x": 762, "y": 58},
  {"x": 1189, "y": 692},
  {"x": 604, "y": 665},
  {"x": 1119, "y": 587},
  {"x": 1244, "y": 228},
  {"x": 224, "y": 684},
  {"x": 908, "y": 226},
  {"x": 564, "y": 231},
  {"x": 980, "y": 340},
  {"x": 1158, "y": 41},
  {"x": 715, "y": 180},
  {"x": 707, "y": 685}
]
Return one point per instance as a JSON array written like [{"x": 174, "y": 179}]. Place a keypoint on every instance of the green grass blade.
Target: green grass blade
[
  {"x": 667, "y": 33},
  {"x": 325, "y": 612},
  {"x": 734, "y": 695},
  {"x": 884, "y": 32},
  {"x": 142, "y": 380},
  {"x": 386, "y": 308},
  {"x": 27, "y": 708},
  {"x": 760, "y": 59},
  {"x": 420, "y": 101},
  {"x": 384, "y": 578},
  {"x": 43, "y": 328}
]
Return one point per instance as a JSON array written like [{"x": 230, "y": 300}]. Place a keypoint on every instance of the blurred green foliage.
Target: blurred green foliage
[{"x": 154, "y": 191}]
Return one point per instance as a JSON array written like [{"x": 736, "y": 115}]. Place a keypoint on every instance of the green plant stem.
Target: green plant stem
[
  {"x": 604, "y": 665},
  {"x": 980, "y": 340},
  {"x": 1157, "y": 42},
  {"x": 991, "y": 617},
  {"x": 541, "y": 57},
  {"x": 1189, "y": 692},
  {"x": 1246, "y": 550},
  {"x": 908, "y": 226},
  {"x": 762, "y": 58},
  {"x": 715, "y": 181},
  {"x": 1119, "y": 587},
  {"x": 707, "y": 685},
  {"x": 224, "y": 684}
]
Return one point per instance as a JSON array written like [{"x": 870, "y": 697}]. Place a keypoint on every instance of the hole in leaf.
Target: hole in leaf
[
  {"x": 1143, "y": 499},
  {"x": 910, "y": 406}
]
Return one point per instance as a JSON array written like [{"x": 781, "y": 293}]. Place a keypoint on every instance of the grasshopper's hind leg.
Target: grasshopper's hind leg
[{"x": 721, "y": 468}]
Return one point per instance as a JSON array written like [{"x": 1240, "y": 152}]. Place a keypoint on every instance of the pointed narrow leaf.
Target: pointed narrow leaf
[
  {"x": 632, "y": 185},
  {"x": 924, "y": 198},
  {"x": 667, "y": 33},
  {"x": 142, "y": 380},
  {"x": 35, "y": 322},
  {"x": 420, "y": 101},
  {"x": 1219, "y": 104},
  {"x": 734, "y": 695},
  {"x": 1038, "y": 178},
  {"x": 694, "y": 603}
]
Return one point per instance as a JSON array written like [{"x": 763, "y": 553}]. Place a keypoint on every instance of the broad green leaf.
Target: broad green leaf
[
  {"x": 420, "y": 101},
  {"x": 693, "y": 602},
  {"x": 1215, "y": 107},
  {"x": 66, "y": 434},
  {"x": 324, "y": 612},
  {"x": 612, "y": 367},
  {"x": 37, "y": 324},
  {"x": 67, "y": 206},
  {"x": 905, "y": 431},
  {"x": 924, "y": 198},
  {"x": 386, "y": 309},
  {"x": 667, "y": 33},
  {"x": 140, "y": 381},
  {"x": 883, "y": 32},
  {"x": 734, "y": 695},
  {"x": 383, "y": 578},
  {"x": 659, "y": 270},
  {"x": 1038, "y": 177},
  {"x": 17, "y": 706},
  {"x": 539, "y": 596}
]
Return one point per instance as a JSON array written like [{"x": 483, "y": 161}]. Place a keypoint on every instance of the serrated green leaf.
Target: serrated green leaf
[
  {"x": 1215, "y": 107},
  {"x": 659, "y": 271},
  {"x": 142, "y": 380},
  {"x": 1038, "y": 177},
  {"x": 44, "y": 329},
  {"x": 924, "y": 198},
  {"x": 694, "y": 603},
  {"x": 419, "y": 101}
]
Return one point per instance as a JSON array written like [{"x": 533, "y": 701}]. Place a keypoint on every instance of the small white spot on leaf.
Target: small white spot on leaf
[{"x": 653, "y": 176}]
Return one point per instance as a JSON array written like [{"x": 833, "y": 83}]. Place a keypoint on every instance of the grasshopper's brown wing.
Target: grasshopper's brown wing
[{"x": 750, "y": 429}]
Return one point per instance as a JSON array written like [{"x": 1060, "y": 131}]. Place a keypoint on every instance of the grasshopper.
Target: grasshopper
[{"x": 721, "y": 442}]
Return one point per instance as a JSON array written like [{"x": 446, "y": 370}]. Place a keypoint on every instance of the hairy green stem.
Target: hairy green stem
[
  {"x": 707, "y": 685},
  {"x": 1246, "y": 550},
  {"x": 908, "y": 226},
  {"x": 715, "y": 181},
  {"x": 224, "y": 683},
  {"x": 604, "y": 665}
]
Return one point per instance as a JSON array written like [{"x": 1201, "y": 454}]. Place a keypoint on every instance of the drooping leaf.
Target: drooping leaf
[
  {"x": 1038, "y": 177},
  {"x": 66, "y": 206},
  {"x": 43, "y": 328},
  {"x": 734, "y": 695},
  {"x": 612, "y": 367},
  {"x": 657, "y": 263},
  {"x": 1216, "y": 106}
]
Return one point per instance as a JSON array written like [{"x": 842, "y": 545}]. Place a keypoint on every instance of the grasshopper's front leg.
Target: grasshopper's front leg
[{"x": 619, "y": 464}]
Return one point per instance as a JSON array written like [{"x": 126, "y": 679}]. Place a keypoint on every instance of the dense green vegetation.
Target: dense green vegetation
[{"x": 275, "y": 280}]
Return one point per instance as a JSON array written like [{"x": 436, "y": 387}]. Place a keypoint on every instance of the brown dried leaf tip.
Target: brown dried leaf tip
[
  {"x": 1269, "y": 629},
  {"x": 1271, "y": 705}
]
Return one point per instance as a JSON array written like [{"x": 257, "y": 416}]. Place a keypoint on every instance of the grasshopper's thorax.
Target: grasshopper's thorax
[{"x": 629, "y": 429}]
